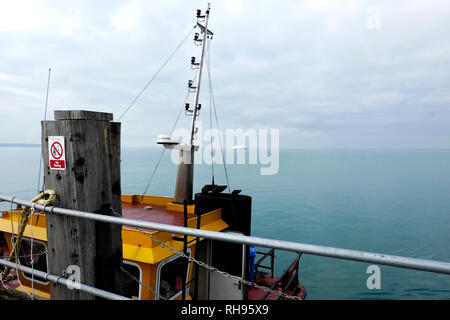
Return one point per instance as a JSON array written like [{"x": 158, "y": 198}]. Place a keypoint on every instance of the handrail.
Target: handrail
[
  {"x": 259, "y": 264},
  {"x": 337, "y": 253},
  {"x": 63, "y": 281}
]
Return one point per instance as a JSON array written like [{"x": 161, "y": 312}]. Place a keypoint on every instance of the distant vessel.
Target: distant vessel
[
  {"x": 239, "y": 146},
  {"x": 163, "y": 274}
]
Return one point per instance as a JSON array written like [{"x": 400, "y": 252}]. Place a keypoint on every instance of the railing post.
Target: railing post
[
  {"x": 87, "y": 180},
  {"x": 272, "y": 263}
]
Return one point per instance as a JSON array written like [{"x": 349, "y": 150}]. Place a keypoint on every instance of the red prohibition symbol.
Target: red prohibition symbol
[{"x": 56, "y": 150}]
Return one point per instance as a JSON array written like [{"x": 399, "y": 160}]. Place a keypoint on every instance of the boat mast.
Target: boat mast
[
  {"x": 185, "y": 175},
  {"x": 199, "y": 78}
]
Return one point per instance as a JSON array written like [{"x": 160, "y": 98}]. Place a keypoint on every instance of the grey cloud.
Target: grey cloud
[{"x": 312, "y": 69}]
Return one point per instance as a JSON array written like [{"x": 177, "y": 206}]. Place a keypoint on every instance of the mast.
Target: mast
[
  {"x": 185, "y": 174},
  {"x": 199, "y": 78}
]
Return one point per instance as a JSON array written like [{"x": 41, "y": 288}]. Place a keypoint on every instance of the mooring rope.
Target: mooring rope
[{"x": 45, "y": 198}]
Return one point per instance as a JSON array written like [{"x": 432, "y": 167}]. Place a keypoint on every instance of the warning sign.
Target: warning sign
[{"x": 56, "y": 152}]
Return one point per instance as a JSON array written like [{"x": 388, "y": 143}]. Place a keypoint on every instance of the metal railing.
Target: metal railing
[
  {"x": 63, "y": 281},
  {"x": 338, "y": 253},
  {"x": 259, "y": 263}
]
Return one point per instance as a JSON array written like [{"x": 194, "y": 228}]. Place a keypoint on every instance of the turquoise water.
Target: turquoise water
[{"x": 386, "y": 201}]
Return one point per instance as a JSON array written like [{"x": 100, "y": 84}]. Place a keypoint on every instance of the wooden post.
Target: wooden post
[{"x": 90, "y": 182}]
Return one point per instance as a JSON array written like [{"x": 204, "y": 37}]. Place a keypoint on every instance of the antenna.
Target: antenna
[
  {"x": 205, "y": 32},
  {"x": 45, "y": 118}
]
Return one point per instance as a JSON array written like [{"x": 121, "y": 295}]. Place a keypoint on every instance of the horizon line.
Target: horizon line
[{"x": 35, "y": 145}]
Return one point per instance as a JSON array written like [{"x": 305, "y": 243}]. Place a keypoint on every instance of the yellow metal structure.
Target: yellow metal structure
[{"x": 139, "y": 249}]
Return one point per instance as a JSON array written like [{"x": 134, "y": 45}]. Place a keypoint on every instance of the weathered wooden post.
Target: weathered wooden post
[{"x": 82, "y": 159}]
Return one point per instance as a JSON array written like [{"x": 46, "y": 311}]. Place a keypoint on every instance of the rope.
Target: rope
[
  {"x": 3, "y": 284},
  {"x": 157, "y": 72},
  {"x": 24, "y": 256},
  {"x": 45, "y": 198},
  {"x": 17, "y": 268}
]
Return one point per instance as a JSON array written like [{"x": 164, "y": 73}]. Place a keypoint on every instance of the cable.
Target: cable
[
  {"x": 171, "y": 132},
  {"x": 151, "y": 177},
  {"x": 217, "y": 123},
  {"x": 31, "y": 253},
  {"x": 220, "y": 140},
  {"x": 157, "y": 72},
  {"x": 210, "y": 113}
]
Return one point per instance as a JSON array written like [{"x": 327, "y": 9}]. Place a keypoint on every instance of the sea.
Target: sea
[{"x": 391, "y": 201}]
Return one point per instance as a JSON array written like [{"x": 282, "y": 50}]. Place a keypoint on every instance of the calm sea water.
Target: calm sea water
[{"x": 386, "y": 201}]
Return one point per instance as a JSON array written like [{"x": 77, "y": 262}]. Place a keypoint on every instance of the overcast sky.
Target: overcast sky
[{"x": 325, "y": 73}]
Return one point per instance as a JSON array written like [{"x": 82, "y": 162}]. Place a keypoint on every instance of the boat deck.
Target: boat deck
[{"x": 159, "y": 214}]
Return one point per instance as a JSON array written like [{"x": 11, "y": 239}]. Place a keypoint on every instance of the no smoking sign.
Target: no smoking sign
[{"x": 57, "y": 154}]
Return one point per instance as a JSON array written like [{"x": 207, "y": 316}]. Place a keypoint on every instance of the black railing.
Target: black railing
[{"x": 259, "y": 263}]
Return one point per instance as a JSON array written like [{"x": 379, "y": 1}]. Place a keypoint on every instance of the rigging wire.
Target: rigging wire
[
  {"x": 210, "y": 114},
  {"x": 217, "y": 121},
  {"x": 157, "y": 72},
  {"x": 164, "y": 149},
  {"x": 220, "y": 140},
  {"x": 153, "y": 173},
  {"x": 182, "y": 106}
]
